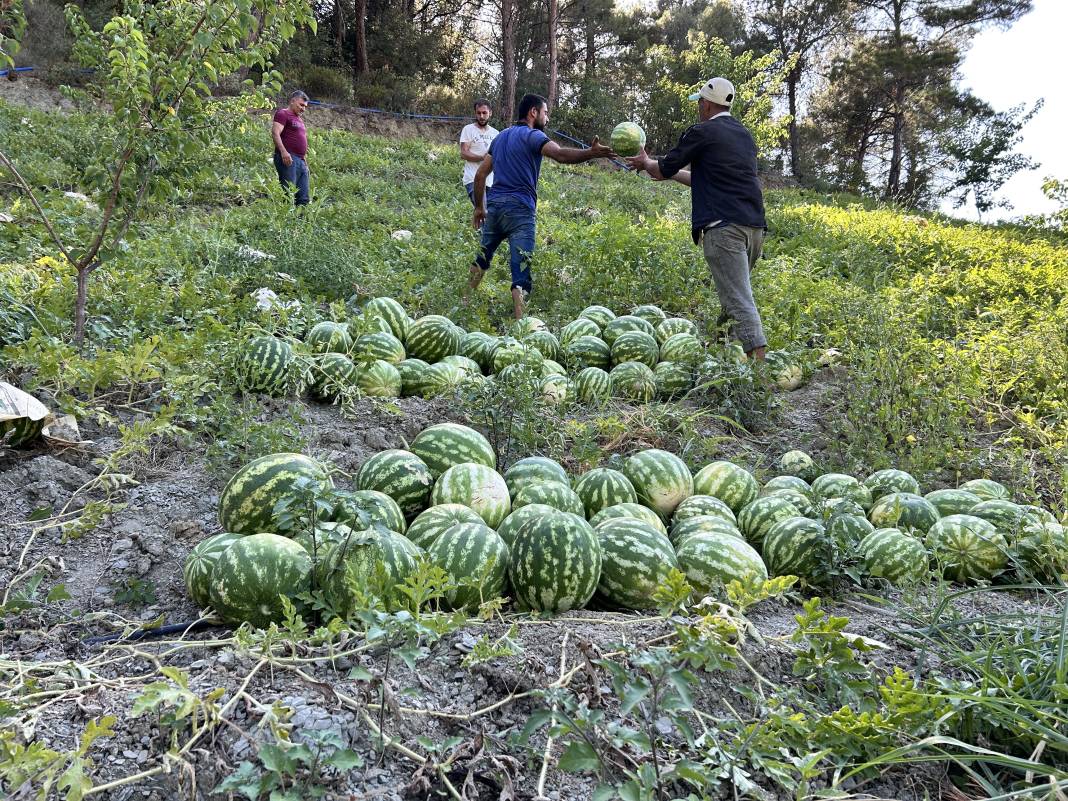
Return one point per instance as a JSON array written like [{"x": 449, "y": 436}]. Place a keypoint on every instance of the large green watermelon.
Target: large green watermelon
[
  {"x": 904, "y": 510},
  {"x": 446, "y": 444},
  {"x": 480, "y": 347},
  {"x": 329, "y": 337},
  {"x": 633, "y": 511},
  {"x": 627, "y": 322},
  {"x": 401, "y": 475},
  {"x": 476, "y": 559},
  {"x": 367, "y": 507},
  {"x": 331, "y": 374},
  {"x": 415, "y": 377},
  {"x": 551, "y": 493},
  {"x": 379, "y": 345},
  {"x": 800, "y": 464},
  {"x": 545, "y": 343},
  {"x": 266, "y": 364},
  {"x": 556, "y": 563},
  {"x": 379, "y": 379},
  {"x": 477, "y": 486},
  {"x": 247, "y": 502},
  {"x": 713, "y": 559},
  {"x": 797, "y": 546},
  {"x": 987, "y": 489},
  {"x": 579, "y": 328},
  {"x": 697, "y": 505},
  {"x": 601, "y": 315},
  {"x": 633, "y": 381},
  {"x": 682, "y": 348},
  {"x": 251, "y": 576},
  {"x": 432, "y": 523},
  {"x": 661, "y": 479},
  {"x": 587, "y": 351},
  {"x": 883, "y": 482},
  {"x": 732, "y": 484},
  {"x": 533, "y": 469},
  {"x": 201, "y": 562},
  {"x": 635, "y": 346},
  {"x": 701, "y": 524},
  {"x": 391, "y": 313},
  {"x": 603, "y": 486},
  {"x": 757, "y": 517},
  {"x": 672, "y": 379},
  {"x": 670, "y": 326},
  {"x": 432, "y": 338},
  {"x": 953, "y": 501},
  {"x": 628, "y": 139},
  {"x": 520, "y": 518},
  {"x": 968, "y": 547},
  {"x": 891, "y": 554},
  {"x": 593, "y": 385},
  {"x": 636, "y": 559}
]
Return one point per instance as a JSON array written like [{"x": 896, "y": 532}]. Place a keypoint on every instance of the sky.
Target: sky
[{"x": 1021, "y": 65}]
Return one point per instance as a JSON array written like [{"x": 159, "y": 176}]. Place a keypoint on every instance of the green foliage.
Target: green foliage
[{"x": 36, "y": 770}]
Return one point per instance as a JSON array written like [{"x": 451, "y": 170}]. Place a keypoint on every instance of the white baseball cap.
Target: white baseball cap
[{"x": 718, "y": 90}]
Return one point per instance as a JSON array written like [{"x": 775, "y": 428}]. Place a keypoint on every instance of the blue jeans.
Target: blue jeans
[
  {"x": 512, "y": 220},
  {"x": 296, "y": 174},
  {"x": 470, "y": 192}
]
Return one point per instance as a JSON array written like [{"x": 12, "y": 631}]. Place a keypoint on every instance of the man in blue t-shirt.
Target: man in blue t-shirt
[
  {"x": 727, "y": 205},
  {"x": 514, "y": 158}
]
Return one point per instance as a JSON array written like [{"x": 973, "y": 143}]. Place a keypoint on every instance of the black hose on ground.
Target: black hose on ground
[{"x": 159, "y": 631}]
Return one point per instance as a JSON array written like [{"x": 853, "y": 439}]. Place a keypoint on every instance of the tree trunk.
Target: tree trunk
[
  {"x": 508, "y": 59},
  {"x": 893, "y": 175},
  {"x": 360, "y": 65},
  {"x": 339, "y": 29},
  {"x": 554, "y": 59},
  {"x": 591, "y": 45},
  {"x": 792, "y": 132},
  {"x": 80, "y": 301}
]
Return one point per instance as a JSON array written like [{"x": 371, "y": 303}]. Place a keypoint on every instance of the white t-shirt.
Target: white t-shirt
[{"x": 480, "y": 139}]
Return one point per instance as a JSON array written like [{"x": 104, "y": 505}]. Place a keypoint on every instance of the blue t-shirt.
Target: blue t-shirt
[{"x": 516, "y": 156}]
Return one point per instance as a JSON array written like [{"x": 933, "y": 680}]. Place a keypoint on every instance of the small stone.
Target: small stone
[
  {"x": 129, "y": 754},
  {"x": 121, "y": 545},
  {"x": 225, "y": 658}
]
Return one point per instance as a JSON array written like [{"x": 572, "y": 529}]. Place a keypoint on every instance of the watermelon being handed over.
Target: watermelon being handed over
[
  {"x": 628, "y": 138},
  {"x": 556, "y": 563}
]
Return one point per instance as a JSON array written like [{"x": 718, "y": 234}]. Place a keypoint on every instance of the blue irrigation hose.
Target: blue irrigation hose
[{"x": 3, "y": 73}]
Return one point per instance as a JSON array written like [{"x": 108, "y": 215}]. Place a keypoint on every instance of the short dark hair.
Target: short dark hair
[
  {"x": 297, "y": 93},
  {"x": 483, "y": 102},
  {"x": 529, "y": 101}
]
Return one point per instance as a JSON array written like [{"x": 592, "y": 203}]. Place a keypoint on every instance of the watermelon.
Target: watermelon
[
  {"x": 477, "y": 486},
  {"x": 785, "y": 369},
  {"x": 628, "y": 139},
  {"x": 804, "y": 505},
  {"x": 627, "y": 322},
  {"x": 636, "y": 559},
  {"x": 798, "y": 547},
  {"x": 443, "y": 377},
  {"x": 786, "y": 482},
  {"x": 331, "y": 375},
  {"x": 533, "y": 469},
  {"x": 833, "y": 485},
  {"x": 246, "y": 505},
  {"x": 633, "y": 381},
  {"x": 469, "y": 366},
  {"x": 379, "y": 379},
  {"x": 1006, "y": 516},
  {"x": 593, "y": 385},
  {"x": 201, "y": 562},
  {"x": 265, "y": 364},
  {"x": 432, "y": 338},
  {"x": 1039, "y": 514},
  {"x": 672, "y": 379},
  {"x": 446, "y": 444},
  {"x": 391, "y": 313},
  {"x": 587, "y": 351},
  {"x": 702, "y": 524},
  {"x": 518, "y": 518},
  {"x": 661, "y": 480},
  {"x": 682, "y": 348},
  {"x": 635, "y": 346},
  {"x": 545, "y": 343},
  {"x": 666, "y": 329},
  {"x": 476, "y": 559},
  {"x": 516, "y": 353},
  {"x": 402, "y": 476},
  {"x": 1041, "y": 552},
  {"x": 986, "y": 489},
  {"x": 521, "y": 375},
  {"x": 757, "y": 517},
  {"x": 904, "y": 510},
  {"x": 713, "y": 559},
  {"x": 550, "y": 367},
  {"x": 602, "y": 487},
  {"x": 848, "y": 530},
  {"x": 480, "y": 347},
  {"x": 800, "y": 464},
  {"x": 967, "y": 547},
  {"x": 432, "y": 523},
  {"x": 630, "y": 510},
  {"x": 653, "y": 315},
  {"x": 600, "y": 315},
  {"x": 826, "y": 508},
  {"x": 582, "y": 327},
  {"x": 893, "y": 555},
  {"x": 380, "y": 345},
  {"x": 527, "y": 325},
  {"x": 372, "y": 561},
  {"x": 697, "y": 505},
  {"x": 555, "y": 388},
  {"x": 366, "y": 508},
  {"x": 414, "y": 375},
  {"x": 556, "y": 563},
  {"x": 251, "y": 576},
  {"x": 952, "y": 501},
  {"x": 883, "y": 482},
  {"x": 19, "y": 431},
  {"x": 551, "y": 493},
  {"x": 329, "y": 337},
  {"x": 732, "y": 484}
]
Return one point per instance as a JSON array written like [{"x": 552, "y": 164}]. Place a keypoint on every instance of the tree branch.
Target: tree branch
[{"x": 26, "y": 190}]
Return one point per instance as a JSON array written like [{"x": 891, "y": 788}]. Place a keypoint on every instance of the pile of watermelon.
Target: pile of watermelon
[
  {"x": 382, "y": 352},
  {"x": 555, "y": 542}
]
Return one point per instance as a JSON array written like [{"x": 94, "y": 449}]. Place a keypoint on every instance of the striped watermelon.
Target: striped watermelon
[
  {"x": 551, "y": 493},
  {"x": 1040, "y": 514},
  {"x": 550, "y": 367},
  {"x": 587, "y": 351},
  {"x": 252, "y": 575},
  {"x": 602, "y": 487},
  {"x": 893, "y": 555},
  {"x": 633, "y": 381},
  {"x": 480, "y": 347},
  {"x": 556, "y": 563},
  {"x": 545, "y": 343},
  {"x": 682, "y": 348},
  {"x": 672, "y": 379},
  {"x": 469, "y": 366},
  {"x": 883, "y": 482},
  {"x": 1041, "y": 552},
  {"x": 201, "y": 562},
  {"x": 661, "y": 479},
  {"x": 593, "y": 385},
  {"x": 526, "y": 326},
  {"x": 556, "y": 389},
  {"x": 329, "y": 337},
  {"x": 443, "y": 445},
  {"x": 19, "y": 431},
  {"x": 952, "y": 501},
  {"x": 532, "y": 470},
  {"x": 246, "y": 505},
  {"x": 380, "y": 345},
  {"x": 667, "y": 328},
  {"x": 697, "y": 505},
  {"x": 582, "y": 327},
  {"x": 833, "y": 485},
  {"x": 516, "y": 353},
  {"x": 904, "y": 510},
  {"x": 627, "y": 322},
  {"x": 802, "y": 502},
  {"x": 653, "y": 315},
  {"x": 476, "y": 559},
  {"x": 1007, "y": 517},
  {"x": 636, "y": 559},
  {"x": 800, "y": 464},
  {"x": 442, "y": 378},
  {"x": 477, "y": 486},
  {"x": 373, "y": 561},
  {"x": 629, "y": 510},
  {"x": 967, "y": 547},
  {"x": 798, "y": 547},
  {"x": 402, "y": 476},
  {"x": 702, "y": 524},
  {"x": 436, "y": 520},
  {"x": 521, "y": 375},
  {"x": 391, "y": 313},
  {"x": 732, "y": 484},
  {"x": 635, "y": 346},
  {"x": 432, "y": 338},
  {"x": 265, "y": 364},
  {"x": 366, "y": 508},
  {"x": 848, "y": 530},
  {"x": 414, "y": 375},
  {"x": 518, "y": 518},
  {"x": 757, "y": 517},
  {"x": 601, "y": 315},
  {"x": 786, "y": 482},
  {"x": 331, "y": 375},
  {"x": 379, "y": 379},
  {"x": 986, "y": 489},
  {"x": 713, "y": 559}
]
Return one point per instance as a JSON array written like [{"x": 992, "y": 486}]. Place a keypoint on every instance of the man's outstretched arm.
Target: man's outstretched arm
[{"x": 577, "y": 155}]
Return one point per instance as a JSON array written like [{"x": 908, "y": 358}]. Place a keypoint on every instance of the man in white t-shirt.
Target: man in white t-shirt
[{"x": 475, "y": 141}]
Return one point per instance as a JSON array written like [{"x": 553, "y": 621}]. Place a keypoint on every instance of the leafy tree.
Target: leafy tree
[
  {"x": 156, "y": 65},
  {"x": 12, "y": 26}
]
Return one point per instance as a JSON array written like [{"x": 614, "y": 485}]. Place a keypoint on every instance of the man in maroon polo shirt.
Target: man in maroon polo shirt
[{"x": 291, "y": 146}]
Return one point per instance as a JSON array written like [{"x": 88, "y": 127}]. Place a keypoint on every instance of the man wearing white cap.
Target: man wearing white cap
[{"x": 727, "y": 205}]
